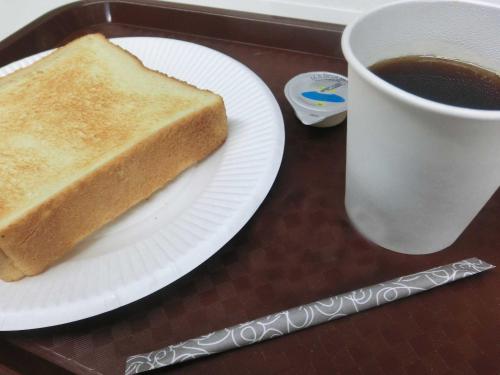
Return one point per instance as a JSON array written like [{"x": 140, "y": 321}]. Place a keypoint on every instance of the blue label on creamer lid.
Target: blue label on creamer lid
[
  {"x": 323, "y": 97},
  {"x": 318, "y": 98}
]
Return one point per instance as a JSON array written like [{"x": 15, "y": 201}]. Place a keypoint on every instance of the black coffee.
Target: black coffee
[{"x": 445, "y": 81}]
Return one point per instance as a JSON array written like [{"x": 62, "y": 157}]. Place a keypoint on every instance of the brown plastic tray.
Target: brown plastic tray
[{"x": 298, "y": 247}]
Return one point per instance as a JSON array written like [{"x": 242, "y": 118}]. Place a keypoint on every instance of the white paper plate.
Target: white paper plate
[{"x": 181, "y": 226}]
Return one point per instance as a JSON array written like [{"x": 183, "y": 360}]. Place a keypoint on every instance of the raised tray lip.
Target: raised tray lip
[{"x": 37, "y": 25}]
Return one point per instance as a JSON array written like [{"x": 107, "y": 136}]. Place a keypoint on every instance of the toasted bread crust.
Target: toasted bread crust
[
  {"x": 8, "y": 271},
  {"x": 40, "y": 237},
  {"x": 47, "y": 233}
]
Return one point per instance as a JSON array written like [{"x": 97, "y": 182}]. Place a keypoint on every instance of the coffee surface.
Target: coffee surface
[{"x": 445, "y": 81}]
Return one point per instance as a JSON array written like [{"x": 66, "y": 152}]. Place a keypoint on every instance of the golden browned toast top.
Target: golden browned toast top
[{"x": 67, "y": 114}]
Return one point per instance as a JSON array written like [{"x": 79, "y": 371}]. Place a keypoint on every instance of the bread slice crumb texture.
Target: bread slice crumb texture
[{"x": 60, "y": 120}]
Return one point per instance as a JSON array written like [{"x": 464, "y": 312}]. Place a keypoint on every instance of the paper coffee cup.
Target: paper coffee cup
[{"x": 419, "y": 171}]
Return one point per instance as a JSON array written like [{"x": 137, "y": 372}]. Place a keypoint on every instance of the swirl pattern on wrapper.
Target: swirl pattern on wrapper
[{"x": 304, "y": 316}]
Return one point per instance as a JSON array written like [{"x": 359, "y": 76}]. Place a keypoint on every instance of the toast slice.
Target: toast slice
[{"x": 86, "y": 133}]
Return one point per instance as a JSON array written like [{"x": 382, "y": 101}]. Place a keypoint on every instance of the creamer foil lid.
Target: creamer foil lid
[{"x": 318, "y": 98}]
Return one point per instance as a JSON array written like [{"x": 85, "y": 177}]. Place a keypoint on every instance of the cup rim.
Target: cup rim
[{"x": 402, "y": 95}]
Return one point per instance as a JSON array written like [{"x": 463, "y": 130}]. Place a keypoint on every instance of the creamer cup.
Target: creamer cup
[{"x": 318, "y": 98}]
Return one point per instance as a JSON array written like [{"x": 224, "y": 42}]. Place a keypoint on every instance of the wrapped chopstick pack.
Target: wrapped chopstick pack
[{"x": 300, "y": 317}]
